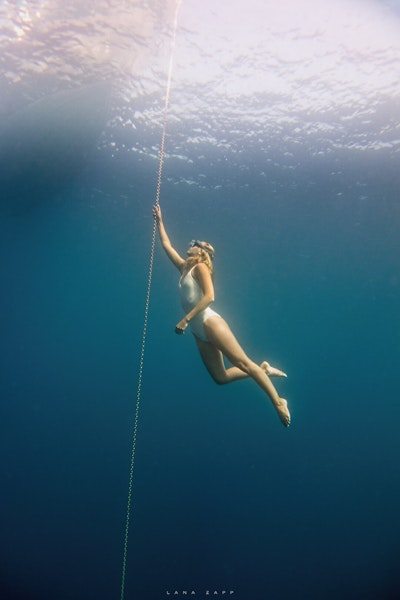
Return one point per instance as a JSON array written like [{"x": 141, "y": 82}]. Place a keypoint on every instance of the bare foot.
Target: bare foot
[
  {"x": 272, "y": 371},
  {"x": 283, "y": 412}
]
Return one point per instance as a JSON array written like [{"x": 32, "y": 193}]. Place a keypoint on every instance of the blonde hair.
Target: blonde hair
[
  {"x": 206, "y": 255},
  {"x": 209, "y": 249}
]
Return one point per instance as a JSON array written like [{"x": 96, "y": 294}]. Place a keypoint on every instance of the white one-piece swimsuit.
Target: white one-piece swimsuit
[{"x": 191, "y": 293}]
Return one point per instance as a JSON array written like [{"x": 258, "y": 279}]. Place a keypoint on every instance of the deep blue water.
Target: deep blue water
[{"x": 225, "y": 500}]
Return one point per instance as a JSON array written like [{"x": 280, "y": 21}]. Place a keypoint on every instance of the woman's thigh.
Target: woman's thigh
[
  {"x": 220, "y": 335},
  {"x": 213, "y": 360}
]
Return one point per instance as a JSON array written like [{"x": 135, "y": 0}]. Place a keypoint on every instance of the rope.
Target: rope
[{"x": 147, "y": 304}]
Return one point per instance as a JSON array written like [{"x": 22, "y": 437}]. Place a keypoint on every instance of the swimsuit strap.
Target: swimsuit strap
[{"x": 182, "y": 277}]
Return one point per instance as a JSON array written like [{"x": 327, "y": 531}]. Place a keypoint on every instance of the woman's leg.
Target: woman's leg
[
  {"x": 223, "y": 342},
  {"x": 214, "y": 362}
]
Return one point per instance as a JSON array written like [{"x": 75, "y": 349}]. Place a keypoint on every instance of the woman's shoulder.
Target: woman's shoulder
[{"x": 200, "y": 270}]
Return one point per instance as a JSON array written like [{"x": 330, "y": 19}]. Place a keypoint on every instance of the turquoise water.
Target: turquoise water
[{"x": 295, "y": 182}]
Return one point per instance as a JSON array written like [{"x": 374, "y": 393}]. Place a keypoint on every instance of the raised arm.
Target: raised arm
[{"x": 165, "y": 241}]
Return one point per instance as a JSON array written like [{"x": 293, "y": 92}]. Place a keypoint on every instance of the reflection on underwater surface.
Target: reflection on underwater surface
[{"x": 279, "y": 84}]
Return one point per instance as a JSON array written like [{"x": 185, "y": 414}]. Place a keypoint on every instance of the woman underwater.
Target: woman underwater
[{"x": 213, "y": 336}]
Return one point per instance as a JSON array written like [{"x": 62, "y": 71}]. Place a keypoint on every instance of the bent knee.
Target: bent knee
[
  {"x": 245, "y": 365},
  {"x": 219, "y": 379}
]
